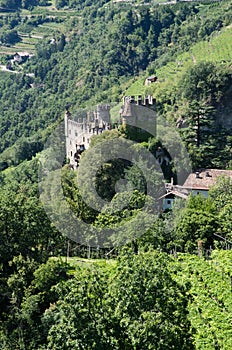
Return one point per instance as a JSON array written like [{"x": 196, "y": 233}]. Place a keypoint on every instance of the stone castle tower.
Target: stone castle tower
[{"x": 134, "y": 114}]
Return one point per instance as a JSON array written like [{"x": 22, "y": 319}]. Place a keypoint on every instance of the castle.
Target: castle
[{"x": 79, "y": 132}]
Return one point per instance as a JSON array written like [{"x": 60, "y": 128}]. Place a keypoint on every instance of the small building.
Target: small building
[
  {"x": 21, "y": 57},
  {"x": 151, "y": 79},
  {"x": 201, "y": 181},
  {"x": 196, "y": 183},
  {"x": 53, "y": 41},
  {"x": 17, "y": 58},
  {"x": 169, "y": 198}
]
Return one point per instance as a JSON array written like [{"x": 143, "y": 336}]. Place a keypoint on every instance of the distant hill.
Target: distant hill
[{"x": 93, "y": 54}]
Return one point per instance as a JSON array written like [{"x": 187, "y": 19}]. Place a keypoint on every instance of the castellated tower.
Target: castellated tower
[
  {"x": 78, "y": 133},
  {"x": 134, "y": 114}
]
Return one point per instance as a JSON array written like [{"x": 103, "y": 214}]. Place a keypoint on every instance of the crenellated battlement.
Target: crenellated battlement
[{"x": 140, "y": 100}]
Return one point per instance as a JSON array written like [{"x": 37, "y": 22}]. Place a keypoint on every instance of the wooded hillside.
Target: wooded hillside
[{"x": 164, "y": 280}]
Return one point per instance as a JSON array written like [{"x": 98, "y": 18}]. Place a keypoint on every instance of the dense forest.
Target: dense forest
[{"x": 161, "y": 280}]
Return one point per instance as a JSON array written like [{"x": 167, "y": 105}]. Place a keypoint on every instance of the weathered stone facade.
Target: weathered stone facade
[
  {"x": 78, "y": 133},
  {"x": 133, "y": 114}
]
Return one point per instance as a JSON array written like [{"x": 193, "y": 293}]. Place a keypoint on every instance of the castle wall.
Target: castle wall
[
  {"x": 133, "y": 112},
  {"x": 103, "y": 113},
  {"x": 78, "y": 133}
]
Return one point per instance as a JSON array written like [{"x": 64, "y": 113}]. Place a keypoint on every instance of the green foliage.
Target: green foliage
[
  {"x": 74, "y": 198},
  {"x": 195, "y": 103},
  {"x": 17, "y": 282},
  {"x": 9, "y": 37},
  {"x": 95, "y": 50},
  {"x": 10, "y": 4},
  {"x": 206, "y": 81},
  {"x": 160, "y": 236},
  {"x": 198, "y": 222},
  {"x": 16, "y": 4},
  {"x": 221, "y": 192},
  {"x": 31, "y": 290},
  {"x": 26, "y": 235},
  {"x": 48, "y": 274},
  {"x": 100, "y": 311},
  {"x": 93, "y": 65},
  {"x": 221, "y": 195},
  {"x": 209, "y": 298}
]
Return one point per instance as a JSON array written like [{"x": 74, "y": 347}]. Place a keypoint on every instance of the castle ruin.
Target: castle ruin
[{"x": 78, "y": 133}]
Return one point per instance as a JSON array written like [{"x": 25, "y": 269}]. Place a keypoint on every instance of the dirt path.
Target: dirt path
[
  {"x": 31, "y": 36},
  {"x": 4, "y": 69}
]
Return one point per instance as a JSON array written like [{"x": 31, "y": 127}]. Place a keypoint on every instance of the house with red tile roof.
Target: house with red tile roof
[{"x": 196, "y": 183}]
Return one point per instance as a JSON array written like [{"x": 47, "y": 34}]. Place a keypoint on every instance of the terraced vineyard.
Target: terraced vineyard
[
  {"x": 53, "y": 22},
  {"x": 218, "y": 49},
  {"x": 210, "y": 305}
]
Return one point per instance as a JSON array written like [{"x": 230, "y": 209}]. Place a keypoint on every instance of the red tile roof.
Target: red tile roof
[{"x": 206, "y": 178}]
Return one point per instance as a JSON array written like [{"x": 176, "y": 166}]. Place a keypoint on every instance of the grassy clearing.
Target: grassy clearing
[
  {"x": 42, "y": 30},
  {"x": 219, "y": 48},
  {"x": 30, "y": 41},
  {"x": 48, "y": 28},
  {"x": 24, "y": 46},
  {"x": 137, "y": 88},
  {"x": 7, "y": 50},
  {"x": 51, "y": 11},
  {"x": 52, "y": 26},
  {"x": 76, "y": 261}
]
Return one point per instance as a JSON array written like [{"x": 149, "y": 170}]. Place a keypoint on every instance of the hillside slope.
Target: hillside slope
[{"x": 92, "y": 57}]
